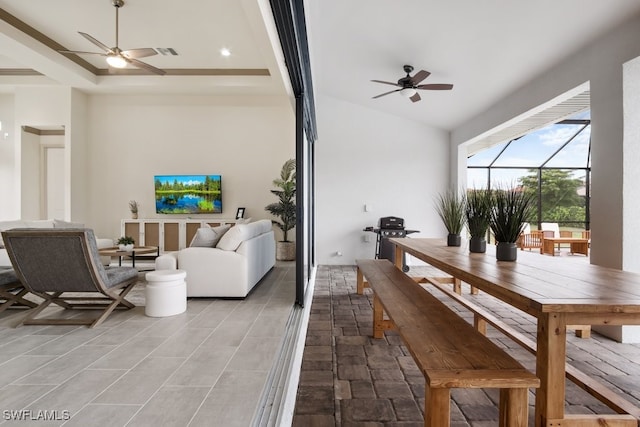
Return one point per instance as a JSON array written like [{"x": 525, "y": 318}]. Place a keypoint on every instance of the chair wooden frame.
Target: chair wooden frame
[
  {"x": 63, "y": 267},
  {"x": 12, "y": 292},
  {"x": 531, "y": 240}
]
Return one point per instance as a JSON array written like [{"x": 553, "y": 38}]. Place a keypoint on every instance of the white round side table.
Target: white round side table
[{"x": 165, "y": 293}]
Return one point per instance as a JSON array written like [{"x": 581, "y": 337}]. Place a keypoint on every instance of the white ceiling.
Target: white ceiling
[
  {"x": 196, "y": 30},
  {"x": 485, "y": 48}
]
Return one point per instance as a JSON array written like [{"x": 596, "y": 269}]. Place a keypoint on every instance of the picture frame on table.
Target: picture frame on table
[{"x": 240, "y": 213}]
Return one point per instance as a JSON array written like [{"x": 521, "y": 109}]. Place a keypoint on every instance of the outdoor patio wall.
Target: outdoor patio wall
[
  {"x": 600, "y": 63},
  {"x": 365, "y": 157}
]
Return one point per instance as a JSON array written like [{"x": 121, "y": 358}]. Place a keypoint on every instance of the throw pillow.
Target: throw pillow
[{"x": 208, "y": 237}]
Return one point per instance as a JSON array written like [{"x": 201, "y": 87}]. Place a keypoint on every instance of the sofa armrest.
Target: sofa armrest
[
  {"x": 104, "y": 243},
  {"x": 167, "y": 261}
]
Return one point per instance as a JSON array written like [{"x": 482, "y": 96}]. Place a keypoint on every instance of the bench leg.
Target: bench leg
[
  {"x": 378, "y": 318},
  {"x": 457, "y": 286},
  {"x": 480, "y": 324},
  {"x": 359, "y": 282},
  {"x": 437, "y": 407},
  {"x": 514, "y": 407}
]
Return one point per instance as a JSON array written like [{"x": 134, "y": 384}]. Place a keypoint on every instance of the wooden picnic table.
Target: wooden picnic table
[
  {"x": 577, "y": 245},
  {"x": 558, "y": 294}
]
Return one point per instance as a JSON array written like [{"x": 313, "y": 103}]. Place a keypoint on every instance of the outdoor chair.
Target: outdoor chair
[
  {"x": 63, "y": 267},
  {"x": 531, "y": 240},
  {"x": 12, "y": 292}
]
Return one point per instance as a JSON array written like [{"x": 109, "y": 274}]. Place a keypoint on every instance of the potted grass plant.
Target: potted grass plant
[
  {"x": 285, "y": 209},
  {"x": 450, "y": 206},
  {"x": 478, "y": 215},
  {"x": 509, "y": 211}
]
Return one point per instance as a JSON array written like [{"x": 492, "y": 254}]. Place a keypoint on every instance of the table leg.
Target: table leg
[
  {"x": 399, "y": 257},
  {"x": 133, "y": 259},
  {"x": 550, "y": 367}
]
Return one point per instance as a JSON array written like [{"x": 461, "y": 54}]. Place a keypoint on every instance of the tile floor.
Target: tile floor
[
  {"x": 205, "y": 367},
  {"x": 350, "y": 379}
]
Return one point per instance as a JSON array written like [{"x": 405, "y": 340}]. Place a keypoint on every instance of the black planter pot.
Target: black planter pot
[
  {"x": 506, "y": 251},
  {"x": 477, "y": 245},
  {"x": 454, "y": 240}
]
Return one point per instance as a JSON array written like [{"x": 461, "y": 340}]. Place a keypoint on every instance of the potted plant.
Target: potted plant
[
  {"x": 126, "y": 243},
  {"x": 133, "y": 207},
  {"x": 478, "y": 215},
  {"x": 508, "y": 214},
  {"x": 450, "y": 206},
  {"x": 285, "y": 209}
]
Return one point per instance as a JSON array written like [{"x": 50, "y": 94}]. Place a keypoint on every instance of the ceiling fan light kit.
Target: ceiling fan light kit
[
  {"x": 116, "y": 57},
  {"x": 116, "y": 61},
  {"x": 408, "y": 92},
  {"x": 409, "y": 86}
]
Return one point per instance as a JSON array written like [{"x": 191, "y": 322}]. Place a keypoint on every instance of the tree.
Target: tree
[{"x": 560, "y": 199}]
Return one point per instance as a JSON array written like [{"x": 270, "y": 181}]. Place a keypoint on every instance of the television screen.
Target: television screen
[{"x": 188, "y": 194}]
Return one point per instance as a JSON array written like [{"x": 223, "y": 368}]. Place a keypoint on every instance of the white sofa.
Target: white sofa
[
  {"x": 242, "y": 256},
  {"x": 44, "y": 223}
]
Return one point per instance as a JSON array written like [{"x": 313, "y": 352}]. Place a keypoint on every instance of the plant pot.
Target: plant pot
[
  {"x": 478, "y": 245},
  {"x": 285, "y": 251},
  {"x": 134, "y": 215},
  {"x": 127, "y": 248},
  {"x": 506, "y": 251},
  {"x": 454, "y": 240}
]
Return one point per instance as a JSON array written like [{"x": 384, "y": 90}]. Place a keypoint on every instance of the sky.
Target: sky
[{"x": 532, "y": 151}]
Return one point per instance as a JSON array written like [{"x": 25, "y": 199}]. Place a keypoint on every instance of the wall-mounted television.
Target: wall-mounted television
[{"x": 188, "y": 194}]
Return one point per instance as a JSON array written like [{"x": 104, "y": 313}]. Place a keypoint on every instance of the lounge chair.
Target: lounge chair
[
  {"x": 63, "y": 267},
  {"x": 12, "y": 292}
]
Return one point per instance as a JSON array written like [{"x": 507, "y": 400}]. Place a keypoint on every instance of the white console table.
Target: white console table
[{"x": 167, "y": 234}]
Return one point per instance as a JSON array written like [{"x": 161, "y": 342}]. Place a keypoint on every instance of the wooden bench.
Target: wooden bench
[
  {"x": 448, "y": 350},
  {"x": 598, "y": 390}
]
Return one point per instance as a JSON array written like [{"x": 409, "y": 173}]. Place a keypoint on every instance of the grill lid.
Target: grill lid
[{"x": 391, "y": 222}]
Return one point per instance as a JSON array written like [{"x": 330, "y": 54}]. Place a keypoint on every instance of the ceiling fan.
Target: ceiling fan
[
  {"x": 409, "y": 86},
  {"x": 117, "y": 57}
]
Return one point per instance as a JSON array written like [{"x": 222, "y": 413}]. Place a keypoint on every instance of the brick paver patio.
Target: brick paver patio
[{"x": 350, "y": 379}]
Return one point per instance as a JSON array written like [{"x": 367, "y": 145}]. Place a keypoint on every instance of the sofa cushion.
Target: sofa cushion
[
  {"x": 208, "y": 236},
  {"x": 58, "y": 223},
  {"x": 241, "y": 232}
]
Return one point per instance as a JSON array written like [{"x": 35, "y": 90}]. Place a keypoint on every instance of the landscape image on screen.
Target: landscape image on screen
[{"x": 188, "y": 194}]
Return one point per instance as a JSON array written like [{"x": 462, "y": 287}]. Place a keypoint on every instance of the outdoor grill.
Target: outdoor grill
[{"x": 388, "y": 227}]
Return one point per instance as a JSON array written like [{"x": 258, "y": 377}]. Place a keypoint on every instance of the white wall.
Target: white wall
[
  {"x": 36, "y": 106},
  {"x": 366, "y": 157},
  {"x": 132, "y": 138},
  {"x": 8, "y": 185},
  {"x": 116, "y": 144}
]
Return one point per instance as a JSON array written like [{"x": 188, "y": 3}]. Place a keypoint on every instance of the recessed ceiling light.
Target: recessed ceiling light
[{"x": 225, "y": 52}]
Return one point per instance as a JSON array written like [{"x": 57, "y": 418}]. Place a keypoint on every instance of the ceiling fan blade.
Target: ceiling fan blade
[
  {"x": 386, "y": 93},
  {"x": 78, "y": 52},
  {"x": 146, "y": 66},
  {"x": 419, "y": 76},
  {"x": 415, "y": 98},
  {"x": 101, "y": 45},
  {"x": 436, "y": 86},
  {"x": 386, "y": 83},
  {"x": 139, "y": 53}
]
